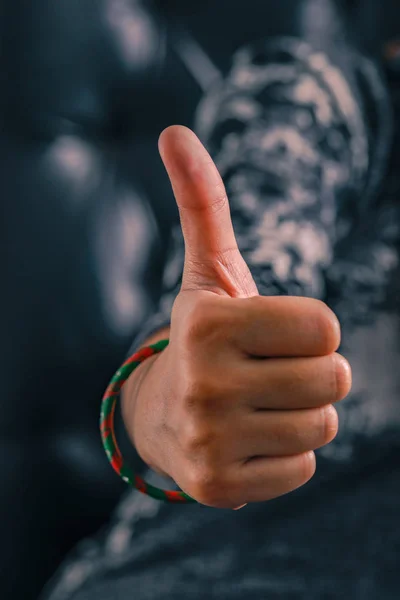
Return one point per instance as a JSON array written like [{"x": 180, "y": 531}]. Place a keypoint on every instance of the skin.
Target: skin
[{"x": 235, "y": 406}]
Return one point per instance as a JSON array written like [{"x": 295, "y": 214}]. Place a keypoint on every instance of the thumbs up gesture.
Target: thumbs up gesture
[{"x": 236, "y": 404}]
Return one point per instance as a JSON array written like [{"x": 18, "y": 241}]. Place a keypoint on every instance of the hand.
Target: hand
[{"x": 233, "y": 408}]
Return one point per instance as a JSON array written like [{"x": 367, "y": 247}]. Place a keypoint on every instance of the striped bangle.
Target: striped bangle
[{"x": 110, "y": 445}]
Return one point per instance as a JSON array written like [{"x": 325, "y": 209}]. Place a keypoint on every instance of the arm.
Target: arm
[
  {"x": 283, "y": 208},
  {"x": 284, "y": 213}
]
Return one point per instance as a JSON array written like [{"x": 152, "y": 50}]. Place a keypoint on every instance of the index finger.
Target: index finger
[{"x": 283, "y": 326}]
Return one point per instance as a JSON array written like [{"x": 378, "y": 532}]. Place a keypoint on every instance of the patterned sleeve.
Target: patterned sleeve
[{"x": 287, "y": 135}]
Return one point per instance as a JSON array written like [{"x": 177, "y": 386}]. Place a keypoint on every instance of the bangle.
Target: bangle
[{"x": 110, "y": 445}]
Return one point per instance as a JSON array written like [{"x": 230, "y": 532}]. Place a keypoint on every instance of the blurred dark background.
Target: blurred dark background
[{"x": 86, "y": 88}]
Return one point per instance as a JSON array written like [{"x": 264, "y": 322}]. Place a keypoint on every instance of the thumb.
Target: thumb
[{"x": 212, "y": 257}]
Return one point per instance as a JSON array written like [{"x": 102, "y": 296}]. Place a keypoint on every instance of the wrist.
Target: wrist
[
  {"x": 135, "y": 392},
  {"x": 130, "y": 393}
]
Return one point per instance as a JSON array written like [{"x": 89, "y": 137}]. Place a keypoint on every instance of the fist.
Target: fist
[{"x": 234, "y": 407}]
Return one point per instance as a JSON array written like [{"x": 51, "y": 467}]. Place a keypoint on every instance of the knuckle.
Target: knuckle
[
  {"x": 299, "y": 377},
  {"x": 201, "y": 321},
  {"x": 207, "y": 485},
  {"x": 196, "y": 438},
  {"x": 199, "y": 393},
  {"x": 220, "y": 200}
]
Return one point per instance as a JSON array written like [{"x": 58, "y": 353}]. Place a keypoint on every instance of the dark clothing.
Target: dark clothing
[{"x": 302, "y": 147}]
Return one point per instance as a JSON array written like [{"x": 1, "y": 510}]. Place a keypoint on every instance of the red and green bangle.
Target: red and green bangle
[{"x": 110, "y": 445}]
